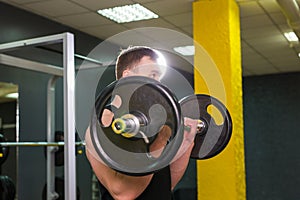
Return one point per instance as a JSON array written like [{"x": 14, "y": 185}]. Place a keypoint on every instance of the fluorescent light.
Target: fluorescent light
[
  {"x": 127, "y": 13},
  {"x": 14, "y": 95},
  {"x": 185, "y": 50},
  {"x": 299, "y": 55},
  {"x": 291, "y": 36}
]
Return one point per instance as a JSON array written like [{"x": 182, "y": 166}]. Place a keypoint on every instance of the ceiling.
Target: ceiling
[{"x": 265, "y": 50}]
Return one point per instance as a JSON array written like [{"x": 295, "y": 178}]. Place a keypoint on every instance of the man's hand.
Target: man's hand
[
  {"x": 161, "y": 140},
  {"x": 188, "y": 137}
]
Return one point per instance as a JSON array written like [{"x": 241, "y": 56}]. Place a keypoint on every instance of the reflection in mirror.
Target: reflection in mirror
[{"x": 9, "y": 132}]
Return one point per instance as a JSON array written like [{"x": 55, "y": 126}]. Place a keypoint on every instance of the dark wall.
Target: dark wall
[
  {"x": 17, "y": 24},
  {"x": 272, "y": 136}
]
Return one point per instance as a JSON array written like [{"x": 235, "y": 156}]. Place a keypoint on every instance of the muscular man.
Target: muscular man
[{"x": 141, "y": 61}]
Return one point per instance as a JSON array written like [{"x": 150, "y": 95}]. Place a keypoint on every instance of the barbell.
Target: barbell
[
  {"x": 59, "y": 152},
  {"x": 140, "y": 111},
  {"x": 37, "y": 144}
]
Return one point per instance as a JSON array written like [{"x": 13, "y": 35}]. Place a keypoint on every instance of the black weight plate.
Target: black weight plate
[
  {"x": 7, "y": 188},
  {"x": 4, "y": 151},
  {"x": 138, "y": 95},
  {"x": 59, "y": 154},
  {"x": 214, "y": 137}
]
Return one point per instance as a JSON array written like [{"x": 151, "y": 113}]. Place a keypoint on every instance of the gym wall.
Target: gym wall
[{"x": 271, "y": 114}]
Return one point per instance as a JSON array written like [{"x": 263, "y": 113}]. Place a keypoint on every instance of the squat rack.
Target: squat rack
[{"x": 68, "y": 74}]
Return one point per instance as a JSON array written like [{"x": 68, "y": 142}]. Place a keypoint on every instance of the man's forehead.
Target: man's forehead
[{"x": 149, "y": 67}]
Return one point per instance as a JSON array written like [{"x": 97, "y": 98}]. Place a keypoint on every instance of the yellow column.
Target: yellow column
[{"x": 217, "y": 34}]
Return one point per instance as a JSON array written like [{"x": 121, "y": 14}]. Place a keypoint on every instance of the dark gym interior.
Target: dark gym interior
[{"x": 271, "y": 113}]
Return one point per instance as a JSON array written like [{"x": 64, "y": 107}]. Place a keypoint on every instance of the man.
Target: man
[{"x": 141, "y": 61}]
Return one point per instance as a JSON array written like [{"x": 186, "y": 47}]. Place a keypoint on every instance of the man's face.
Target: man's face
[{"x": 145, "y": 67}]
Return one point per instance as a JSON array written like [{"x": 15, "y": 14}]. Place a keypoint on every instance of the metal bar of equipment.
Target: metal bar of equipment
[
  {"x": 36, "y": 144},
  {"x": 69, "y": 116},
  {"x": 30, "y": 65},
  {"x": 51, "y": 194},
  {"x": 45, "y": 40}
]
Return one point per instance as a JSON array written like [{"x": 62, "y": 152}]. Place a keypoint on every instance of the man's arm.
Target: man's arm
[
  {"x": 180, "y": 163},
  {"x": 120, "y": 186}
]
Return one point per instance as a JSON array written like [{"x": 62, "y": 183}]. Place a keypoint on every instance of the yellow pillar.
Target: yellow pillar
[{"x": 217, "y": 30}]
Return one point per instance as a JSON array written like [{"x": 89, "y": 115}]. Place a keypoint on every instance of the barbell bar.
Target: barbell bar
[
  {"x": 129, "y": 125},
  {"x": 37, "y": 144}
]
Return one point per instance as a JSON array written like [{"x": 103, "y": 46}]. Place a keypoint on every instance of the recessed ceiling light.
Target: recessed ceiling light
[
  {"x": 127, "y": 13},
  {"x": 291, "y": 36},
  {"x": 185, "y": 50},
  {"x": 14, "y": 95}
]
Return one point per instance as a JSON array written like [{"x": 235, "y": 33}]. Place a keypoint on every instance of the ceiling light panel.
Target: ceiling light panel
[
  {"x": 127, "y": 13},
  {"x": 291, "y": 36},
  {"x": 185, "y": 50}
]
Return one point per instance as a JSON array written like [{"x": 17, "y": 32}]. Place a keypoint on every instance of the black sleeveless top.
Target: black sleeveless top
[{"x": 159, "y": 188}]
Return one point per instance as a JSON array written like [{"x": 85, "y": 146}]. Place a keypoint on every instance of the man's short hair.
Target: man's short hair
[{"x": 132, "y": 55}]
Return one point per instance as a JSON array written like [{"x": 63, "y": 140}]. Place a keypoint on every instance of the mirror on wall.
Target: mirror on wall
[{"x": 8, "y": 133}]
